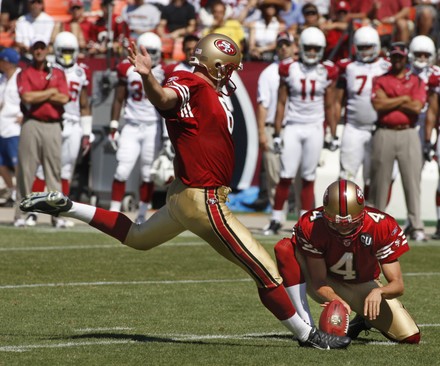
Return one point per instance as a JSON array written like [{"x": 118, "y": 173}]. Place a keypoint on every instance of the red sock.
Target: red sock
[
  {"x": 111, "y": 223},
  {"x": 65, "y": 186},
  {"x": 282, "y": 193},
  {"x": 277, "y": 302},
  {"x": 118, "y": 190},
  {"x": 146, "y": 190},
  {"x": 437, "y": 198},
  {"x": 307, "y": 194},
  {"x": 38, "y": 185},
  {"x": 288, "y": 266}
]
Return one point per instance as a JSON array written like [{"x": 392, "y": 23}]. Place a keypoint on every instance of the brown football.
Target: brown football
[{"x": 334, "y": 319}]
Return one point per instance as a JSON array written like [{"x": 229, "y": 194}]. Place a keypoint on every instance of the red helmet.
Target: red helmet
[{"x": 344, "y": 205}]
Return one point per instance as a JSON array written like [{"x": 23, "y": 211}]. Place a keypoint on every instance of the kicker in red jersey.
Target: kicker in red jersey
[{"x": 192, "y": 136}]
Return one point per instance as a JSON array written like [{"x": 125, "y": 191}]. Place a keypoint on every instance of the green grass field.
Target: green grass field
[{"x": 77, "y": 297}]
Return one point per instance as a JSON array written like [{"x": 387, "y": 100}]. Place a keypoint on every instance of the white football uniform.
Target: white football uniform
[
  {"x": 360, "y": 116},
  {"x": 10, "y": 112},
  {"x": 141, "y": 135},
  {"x": 424, "y": 74},
  {"x": 304, "y": 118},
  {"x": 78, "y": 78}
]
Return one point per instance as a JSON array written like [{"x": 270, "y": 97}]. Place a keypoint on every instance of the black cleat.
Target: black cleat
[
  {"x": 356, "y": 326},
  {"x": 319, "y": 339},
  {"x": 51, "y": 203},
  {"x": 273, "y": 228}
]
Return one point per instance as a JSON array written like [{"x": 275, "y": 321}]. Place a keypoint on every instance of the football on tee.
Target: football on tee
[{"x": 334, "y": 319}]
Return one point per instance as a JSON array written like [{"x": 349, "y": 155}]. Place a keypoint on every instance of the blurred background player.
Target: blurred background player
[
  {"x": 11, "y": 118},
  {"x": 307, "y": 86},
  {"x": 431, "y": 147},
  {"x": 267, "y": 94},
  {"x": 141, "y": 136},
  {"x": 353, "y": 91},
  {"x": 338, "y": 252},
  {"x": 77, "y": 118}
]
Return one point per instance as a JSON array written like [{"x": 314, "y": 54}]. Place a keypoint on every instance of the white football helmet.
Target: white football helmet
[
  {"x": 66, "y": 49},
  {"x": 311, "y": 37},
  {"x": 366, "y": 37},
  {"x": 153, "y": 44},
  {"x": 422, "y": 44}
]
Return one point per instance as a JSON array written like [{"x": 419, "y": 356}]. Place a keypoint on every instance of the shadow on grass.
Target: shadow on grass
[{"x": 209, "y": 342}]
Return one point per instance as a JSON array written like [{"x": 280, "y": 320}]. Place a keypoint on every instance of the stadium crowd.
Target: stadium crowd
[{"x": 260, "y": 28}]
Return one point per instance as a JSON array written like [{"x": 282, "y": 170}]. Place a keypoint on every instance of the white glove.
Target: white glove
[
  {"x": 113, "y": 136},
  {"x": 277, "y": 145},
  {"x": 168, "y": 149}
]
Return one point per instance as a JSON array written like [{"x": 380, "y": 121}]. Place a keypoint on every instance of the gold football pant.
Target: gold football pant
[{"x": 203, "y": 211}]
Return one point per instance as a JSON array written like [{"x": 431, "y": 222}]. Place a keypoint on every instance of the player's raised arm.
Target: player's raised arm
[{"x": 162, "y": 98}]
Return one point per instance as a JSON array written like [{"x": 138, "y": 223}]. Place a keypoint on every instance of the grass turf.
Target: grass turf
[{"x": 77, "y": 297}]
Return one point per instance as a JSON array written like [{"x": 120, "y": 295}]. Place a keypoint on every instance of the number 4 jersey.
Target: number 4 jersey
[{"x": 353, "y": 258}]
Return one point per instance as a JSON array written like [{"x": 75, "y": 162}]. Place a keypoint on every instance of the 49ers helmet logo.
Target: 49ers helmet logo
[{"x": 225, "y": 47}]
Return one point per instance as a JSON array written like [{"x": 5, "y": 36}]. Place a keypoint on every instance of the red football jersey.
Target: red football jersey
[
  {"x": 200, "y": 128},
  {"x": 353, "y": 259}
]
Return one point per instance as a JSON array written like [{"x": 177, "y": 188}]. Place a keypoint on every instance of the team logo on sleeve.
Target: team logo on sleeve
[
  {"x": 366, "y": 239},
  {"x": 225, "y": 47}
]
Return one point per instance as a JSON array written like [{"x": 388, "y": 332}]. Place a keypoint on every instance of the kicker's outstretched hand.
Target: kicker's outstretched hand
[{"x": 141, "y": 60}]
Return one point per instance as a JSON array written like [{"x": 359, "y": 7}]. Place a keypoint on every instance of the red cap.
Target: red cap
[{"x": 343, "y": 6}]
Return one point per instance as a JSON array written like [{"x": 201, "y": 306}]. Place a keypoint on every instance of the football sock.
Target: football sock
[
  {"x": 298, "y": 296},
  {"x": 297, "y": 326}
]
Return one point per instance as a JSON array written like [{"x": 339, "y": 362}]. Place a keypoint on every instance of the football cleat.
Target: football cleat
[
  {"x": 31, "y": 220},
  {"x": 319, "y": 339},
  {"x": 273, "y": 228},
  {"x": 51, "y": 203},
  {"x": 357, "y": 325}
]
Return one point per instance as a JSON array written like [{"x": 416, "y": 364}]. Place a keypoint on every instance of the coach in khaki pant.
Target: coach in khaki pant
[
  {"x": 398, "y": 96},
  {"x": 43, "y": 92}
]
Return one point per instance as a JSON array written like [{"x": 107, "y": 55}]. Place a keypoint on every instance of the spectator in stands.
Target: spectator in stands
[
  {"x": 79, "y": 25},
  {"x": 229, "y": 27},
  {"x": 141, "y": 17},
  {"x": 10, "y": 119},
  {"x": 188, "y": 46},
  {"x": 178, "y": 19},
  {"x": 312, "y": 18},
  {"x": 10, "y": 11},
  {"x": 292, "y": 16},
  {"x": 426, "y": 15},
  {"x": 34, "y": 23},
  {"x": 263, "y": 32},
  {"x": 100, "y": 35},
  {"x": 336, "y": 32},
  {"x": 359, "y": 10},
  {"x": 394, "y": 14}
]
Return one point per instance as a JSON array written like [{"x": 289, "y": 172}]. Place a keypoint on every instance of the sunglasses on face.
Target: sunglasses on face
[
  {"x": 310, "y": 13},
  {"x": 36, "y": 2}
]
